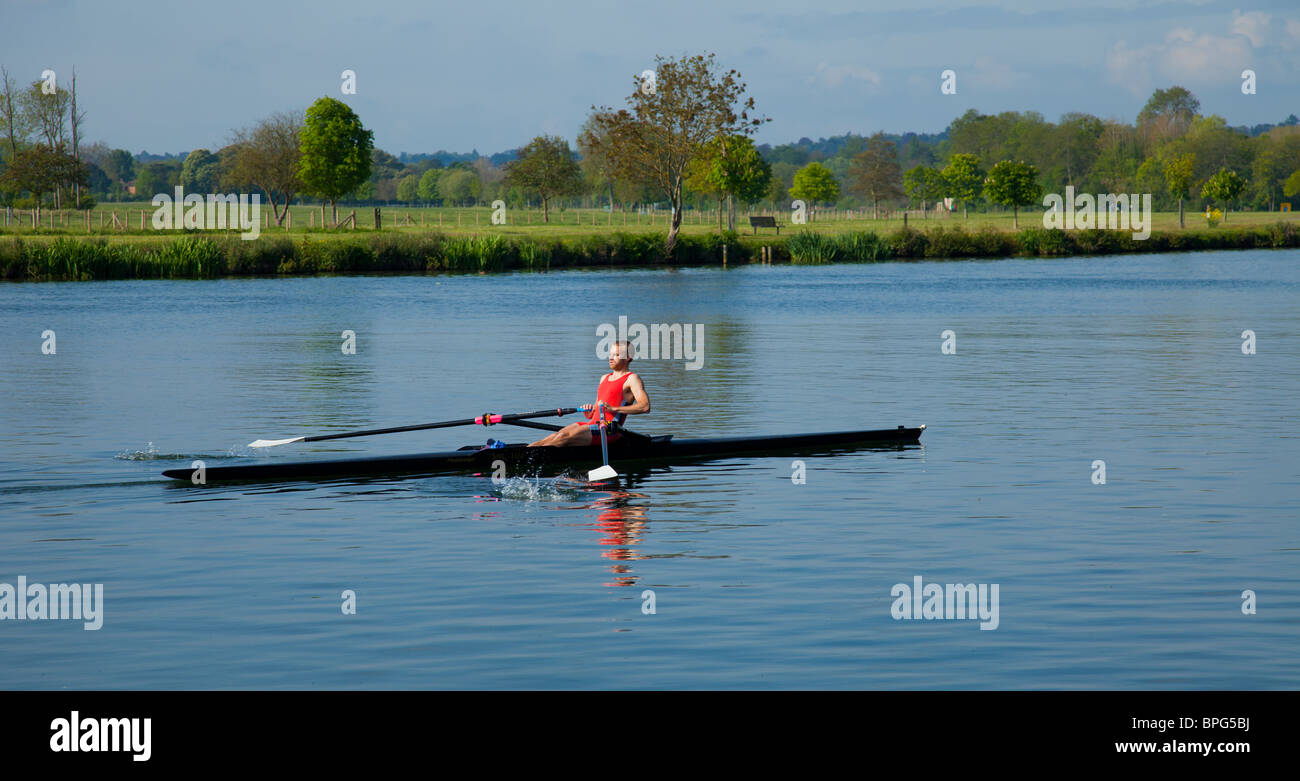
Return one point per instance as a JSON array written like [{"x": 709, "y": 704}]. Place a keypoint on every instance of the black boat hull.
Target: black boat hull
[{"x": 520, "y": 460}]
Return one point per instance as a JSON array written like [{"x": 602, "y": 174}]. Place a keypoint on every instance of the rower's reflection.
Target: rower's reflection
[{"x": 621, "y": 524}]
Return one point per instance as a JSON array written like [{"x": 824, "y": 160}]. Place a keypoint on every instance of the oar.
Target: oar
[
  {"x": 606, "y": 472},
  {"x": 486, "y": 419}
]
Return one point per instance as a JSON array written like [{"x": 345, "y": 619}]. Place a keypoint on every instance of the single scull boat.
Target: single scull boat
[{"x": 520, "y": 459}]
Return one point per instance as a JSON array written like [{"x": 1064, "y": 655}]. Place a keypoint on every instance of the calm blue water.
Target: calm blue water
[{"x": 758, "y": 581}]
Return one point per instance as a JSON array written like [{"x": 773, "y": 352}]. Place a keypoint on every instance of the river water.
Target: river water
[{"x": 725, "y": 574}]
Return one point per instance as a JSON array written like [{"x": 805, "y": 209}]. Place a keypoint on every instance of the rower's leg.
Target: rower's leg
[{"x": 571, "y": 435}]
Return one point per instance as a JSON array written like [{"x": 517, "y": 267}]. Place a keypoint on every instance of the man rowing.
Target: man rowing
[{"x": 623, "y": 394}]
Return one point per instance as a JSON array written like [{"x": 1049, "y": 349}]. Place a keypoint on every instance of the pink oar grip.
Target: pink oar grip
[{"x": 490, "y": 420}]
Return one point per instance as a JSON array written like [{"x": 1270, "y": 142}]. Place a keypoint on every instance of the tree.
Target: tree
[
  {"x": 730, "y": 168},
  {"x": 153, "y": 178},
  {"x": 13, "y": 119},
  {"x": 1076, "y": 144},
  {"x": 408, "y": 189},
  {"x": 815, "y": 184},
  {"x": 666, "y": 126},
  {"x": 201, "y": 172},
  {"x": 1278, "y": 154},
  {"x": 1013, "y": 184},
  {"x": 428, "y": 187},
  {"x": 47, "y": 113},
  {"x": 75, "y": 120},
  {"x": 1168, "y": 114},
  {"x": 268, "y": 156},
  {"x": 601, "y": 170},
  {"x": 459, "y": 185},
  {"x": 119, "y": 166},
  {"x": 335, "y": 151},
  {"x": 1118, "y": 158},
  {"x": 546, "y": 167},
  {"x": 39, "y": 169},
  {"x": 1223, "y": 187},
  {"x": 964, "y": 179},
  {"x": 1291, "y": 187},
  {"x": 875, "y": 173},
  {"x": 924, "y": 183},
  {"x": 1178, "y": 171}
]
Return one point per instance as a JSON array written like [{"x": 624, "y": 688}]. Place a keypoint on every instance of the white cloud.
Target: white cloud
[
  {"x": 1292, "y": 37},
  {"x": 1190, "y": 58},
  {"x": 993, "y": 75},
  {"x": 1253, "y": 25},
  {"x": 836, "y": 75}
]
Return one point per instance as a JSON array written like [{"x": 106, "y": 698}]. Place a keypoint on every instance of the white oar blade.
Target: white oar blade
[
  {"x": 274, "y": 442},
  {"x": 603, "y": 473}
]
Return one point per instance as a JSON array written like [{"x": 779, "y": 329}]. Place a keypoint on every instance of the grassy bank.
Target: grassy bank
[{"x": 197, "y": 256}]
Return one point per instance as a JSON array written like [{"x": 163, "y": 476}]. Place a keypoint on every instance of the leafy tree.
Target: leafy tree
[
  {"x": 154, "y": 178},
  {"x": 924, "y": 183},
  {"x": 200, "y": 172},
  {"x": 120, "y": 166},
  {"x": 384, "y": 166},
  {"x": 428, "y": 187},
  {"x": 1075, "y": 140},
  {"x": 546, "y": 167},
  {"x": 1178, "y": 171},
  {"x": 875, "y": 174},
  {"x": 269, "y": 156},
  {"x": 663, "y": 129},
  {"x": 1291, "y": 187},
  {"x": 1224, "y": 187},
  {"x": 815, "y": 184},
  {"x": 14, "y": 121},
  {"x": 1013, "y": 184},
  {"x": 39, "y": 170},
  {"x": 964, "y": 180},
  {"x": 777, "y": 188},
  {"x": 408, "y": 189},
  {"x": 335, "y": 151},
  {"x": 1278, "y": 154},
  {"x": 1168, "y": 114},
  {"x": 1119, "y": 155},
  {"x": 459, "y": 185},
  {"x": 730, "y": 168}
]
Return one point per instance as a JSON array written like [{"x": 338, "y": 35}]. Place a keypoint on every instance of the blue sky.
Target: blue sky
[{"x": 173, "y": 76}]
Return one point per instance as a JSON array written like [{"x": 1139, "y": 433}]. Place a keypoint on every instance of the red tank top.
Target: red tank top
[{"x": 610, "y": 392}]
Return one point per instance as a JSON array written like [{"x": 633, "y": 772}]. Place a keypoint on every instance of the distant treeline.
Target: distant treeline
[{"x": 1170, "y": 151}]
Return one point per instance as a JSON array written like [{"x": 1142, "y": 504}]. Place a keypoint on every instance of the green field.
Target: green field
[
  {"x": 566, "y": 224},
  {"x": 464, "y": 240}
]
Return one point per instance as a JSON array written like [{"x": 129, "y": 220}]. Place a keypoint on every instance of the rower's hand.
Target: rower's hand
[{"x": 588, "y": 407}]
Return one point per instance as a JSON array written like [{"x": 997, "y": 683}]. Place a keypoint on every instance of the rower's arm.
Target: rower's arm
[{"x": 641, "y": 403}]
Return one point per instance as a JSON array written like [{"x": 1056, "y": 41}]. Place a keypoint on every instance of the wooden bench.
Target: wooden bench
[{"x": 764, "y": 222}]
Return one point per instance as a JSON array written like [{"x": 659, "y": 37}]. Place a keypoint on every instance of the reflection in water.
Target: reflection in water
[{"x": 621, "y": 523}]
